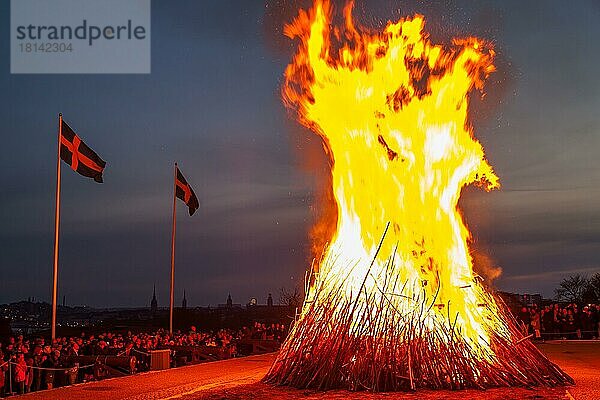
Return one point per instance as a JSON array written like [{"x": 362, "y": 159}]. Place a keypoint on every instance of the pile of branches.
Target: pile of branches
[{"x": 363, "y": 342}]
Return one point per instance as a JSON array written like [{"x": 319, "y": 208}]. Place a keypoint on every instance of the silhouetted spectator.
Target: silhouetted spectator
[{"x": 20, "y": 373}]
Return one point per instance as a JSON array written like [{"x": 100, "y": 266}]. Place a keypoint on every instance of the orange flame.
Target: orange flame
[{"x": 392, "y": 109}]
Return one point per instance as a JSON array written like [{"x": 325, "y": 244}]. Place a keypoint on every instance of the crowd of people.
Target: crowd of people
[
  {"x": 30, "y": 364},
  {"x": 560, "y": 322}
]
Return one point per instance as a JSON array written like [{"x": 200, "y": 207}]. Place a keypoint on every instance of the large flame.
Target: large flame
[
  {"x": 392, "y": 109},
  {"x": 394, "y": 303}
]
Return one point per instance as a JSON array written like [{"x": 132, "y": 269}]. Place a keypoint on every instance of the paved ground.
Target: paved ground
[
  {"x": 581, "y": 360},
  {"x": 238, "y": 379},
  {"x": 170, "y": 384}
]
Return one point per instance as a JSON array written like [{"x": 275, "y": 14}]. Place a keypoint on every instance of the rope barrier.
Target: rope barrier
[
  {"x": 567, "y": 333},
  {"x": 141, "y": 352},
  {"x": 53, "y": 369}
]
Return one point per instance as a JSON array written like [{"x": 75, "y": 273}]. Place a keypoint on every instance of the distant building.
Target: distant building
[
  {"x": 270, "y": 301},
  {"x": 510, "y": 299},
  {"x": 531, "y": 299},
  {"x": 154, "y": 303},
  {"x": 184, "y": 301},
  {"x": 517, "y": 300},
  {"x": 229, "y": 304}
]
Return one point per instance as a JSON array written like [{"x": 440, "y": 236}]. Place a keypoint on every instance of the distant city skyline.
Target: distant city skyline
[{"x": 212, "y": 103}]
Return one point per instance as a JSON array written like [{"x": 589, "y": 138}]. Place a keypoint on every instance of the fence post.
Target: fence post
[{"x": 10, "y": 377}]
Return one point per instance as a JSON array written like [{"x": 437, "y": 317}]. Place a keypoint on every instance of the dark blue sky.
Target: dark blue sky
[{"x": 212, "y": 103}]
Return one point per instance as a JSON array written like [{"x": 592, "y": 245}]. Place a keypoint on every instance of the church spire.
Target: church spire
[{"x": 154, "y": 303}]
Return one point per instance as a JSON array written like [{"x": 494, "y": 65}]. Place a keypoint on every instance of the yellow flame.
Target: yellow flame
[{"x": 392, "y": 109}]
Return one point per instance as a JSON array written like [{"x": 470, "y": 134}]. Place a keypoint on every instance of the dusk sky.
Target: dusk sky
[{"x": 212, "y": 102}]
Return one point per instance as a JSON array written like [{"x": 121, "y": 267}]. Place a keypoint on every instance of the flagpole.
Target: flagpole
[
  {"x": 56, "y": 227},
  {"x": 173, "y": 249}
]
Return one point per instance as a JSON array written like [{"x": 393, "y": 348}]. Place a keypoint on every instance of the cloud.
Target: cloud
[{"x": 552, "y": 276}]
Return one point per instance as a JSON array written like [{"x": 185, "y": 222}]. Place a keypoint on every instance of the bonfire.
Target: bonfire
[{"x": 393, "y": 302}]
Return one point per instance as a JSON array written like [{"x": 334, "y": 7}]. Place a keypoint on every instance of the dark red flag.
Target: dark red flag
[
  {"x": 79, "y": 156},
  {"x": 184, "y": 191}
]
